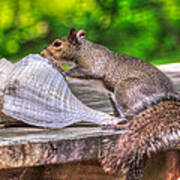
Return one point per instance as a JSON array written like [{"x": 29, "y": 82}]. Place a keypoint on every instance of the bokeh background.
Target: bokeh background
[{"x": 148, "y": 29}]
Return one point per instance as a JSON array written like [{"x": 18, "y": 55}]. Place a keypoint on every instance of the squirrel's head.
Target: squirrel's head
[{"x": 66, "y": 47}]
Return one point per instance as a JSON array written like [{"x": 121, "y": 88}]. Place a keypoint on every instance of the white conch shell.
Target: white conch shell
[
  {"x": 37, "y": 94},
  {"x": 5, "y": 68}
]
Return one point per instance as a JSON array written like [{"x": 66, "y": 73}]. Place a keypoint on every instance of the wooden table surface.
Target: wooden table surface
[{"x": 30, "y": 146}]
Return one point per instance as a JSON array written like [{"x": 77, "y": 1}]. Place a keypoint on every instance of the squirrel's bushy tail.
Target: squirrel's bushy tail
[{"x": 154, "y": 129}]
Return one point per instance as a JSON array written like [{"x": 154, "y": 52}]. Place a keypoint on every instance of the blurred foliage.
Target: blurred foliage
[{"x": 147, "y": 29}]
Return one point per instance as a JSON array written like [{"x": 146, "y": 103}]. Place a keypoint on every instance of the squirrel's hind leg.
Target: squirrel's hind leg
[{"x": 131, "y": 95}]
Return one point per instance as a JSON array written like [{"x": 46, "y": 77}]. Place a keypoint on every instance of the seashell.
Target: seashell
[
  {"x": 38, "y": 94},
  {"x": 5, "y": 68}
]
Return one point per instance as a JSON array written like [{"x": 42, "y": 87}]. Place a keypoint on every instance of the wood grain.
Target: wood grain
[{"x": 73, "y": 151}]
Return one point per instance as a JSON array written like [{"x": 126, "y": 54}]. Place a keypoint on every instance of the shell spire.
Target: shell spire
[
  {"x": 38, "y": 94},
  {"x": 5, "y": 68}
]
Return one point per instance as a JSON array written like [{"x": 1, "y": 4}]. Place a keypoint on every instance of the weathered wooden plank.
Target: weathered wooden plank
[
  {"x": 29, "y": 147},
  {"x": 92, "y": 93},
  {"x": 23, "y": 147},
  {"x": 84, "y": 170},
  {"x": 173, "y": 72}
]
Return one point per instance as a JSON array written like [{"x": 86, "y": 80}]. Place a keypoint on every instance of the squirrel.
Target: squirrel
[{"x": 141, "y": 93}]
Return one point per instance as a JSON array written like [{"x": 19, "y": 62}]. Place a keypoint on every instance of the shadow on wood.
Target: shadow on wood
[{"x": 83, "y": 170}]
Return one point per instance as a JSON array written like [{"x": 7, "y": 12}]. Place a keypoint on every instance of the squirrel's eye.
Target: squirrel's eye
[{"x": 57, "y": 43}]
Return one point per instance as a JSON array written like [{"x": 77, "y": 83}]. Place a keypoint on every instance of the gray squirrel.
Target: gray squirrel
[{"x": 142, "y": 94}]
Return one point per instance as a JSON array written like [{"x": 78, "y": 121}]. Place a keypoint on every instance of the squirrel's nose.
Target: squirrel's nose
[{"x": 43, "y": 53}]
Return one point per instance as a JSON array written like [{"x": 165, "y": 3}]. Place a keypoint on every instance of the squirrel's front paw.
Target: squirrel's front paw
[
  {"x": 74, "y": 73},
  {"x": 68, "y": 73}
]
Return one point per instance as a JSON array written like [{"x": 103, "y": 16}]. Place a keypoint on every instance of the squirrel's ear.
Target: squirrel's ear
[
  {"x": 81, "y": 34},
  {"x": 72, "y": 36}
]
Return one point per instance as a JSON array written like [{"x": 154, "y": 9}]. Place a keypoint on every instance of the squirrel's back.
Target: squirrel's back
[{"x": 122, "y": 66}]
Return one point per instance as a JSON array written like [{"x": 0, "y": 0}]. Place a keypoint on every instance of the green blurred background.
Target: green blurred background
[{"x": 148, "y": 29}]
